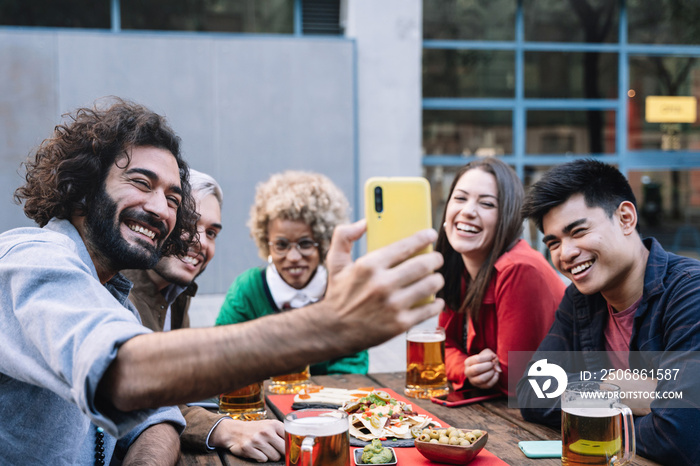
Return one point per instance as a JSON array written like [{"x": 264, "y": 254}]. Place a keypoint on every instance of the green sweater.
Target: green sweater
[{"x": 249, "y": 298}]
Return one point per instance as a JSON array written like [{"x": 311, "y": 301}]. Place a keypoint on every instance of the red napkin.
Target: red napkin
[
  {"x": 411, "y": 456},
  {"x": 405, "y": 456}
]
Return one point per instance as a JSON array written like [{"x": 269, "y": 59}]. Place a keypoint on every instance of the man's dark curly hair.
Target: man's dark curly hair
[{"x": 70, "y": 167}]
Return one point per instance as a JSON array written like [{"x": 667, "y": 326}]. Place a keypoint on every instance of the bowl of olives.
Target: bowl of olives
[{"x": 451, "y": 446}]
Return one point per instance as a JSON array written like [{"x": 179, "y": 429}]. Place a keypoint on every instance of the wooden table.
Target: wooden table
[{"x": 505, "y": 425}]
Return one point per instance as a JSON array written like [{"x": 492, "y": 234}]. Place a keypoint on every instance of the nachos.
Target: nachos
[{"x": 378, "y": 416}]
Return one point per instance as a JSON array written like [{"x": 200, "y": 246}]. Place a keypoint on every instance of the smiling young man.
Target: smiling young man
[
  {"x": 162, "y": 296},
  {"x": 107, "y": 191},
  {"x": 110, "y": 191},
  {"x": 631, "y": 306}
]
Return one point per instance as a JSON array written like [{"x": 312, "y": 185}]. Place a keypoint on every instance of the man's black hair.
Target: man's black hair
[{"x": 602, "y": 185}]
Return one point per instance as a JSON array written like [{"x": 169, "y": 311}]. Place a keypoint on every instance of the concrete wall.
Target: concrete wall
[
  {"x": 389, "y": 53},
  {"x": 245, "y": 106}
]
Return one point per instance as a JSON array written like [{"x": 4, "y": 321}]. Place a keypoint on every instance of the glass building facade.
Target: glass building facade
[
  {"x": 231, "y": 16},
  {"x": 541, "y": 82}
]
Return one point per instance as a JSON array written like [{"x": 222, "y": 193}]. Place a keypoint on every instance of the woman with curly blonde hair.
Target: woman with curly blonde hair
[{"x": 292, "y": 222}]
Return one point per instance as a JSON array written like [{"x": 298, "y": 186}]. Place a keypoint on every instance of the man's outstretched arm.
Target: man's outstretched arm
[{"x": 367, "y": 302}]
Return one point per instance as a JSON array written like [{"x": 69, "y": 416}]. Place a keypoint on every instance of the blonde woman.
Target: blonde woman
[{"x": 291, "y": 221}]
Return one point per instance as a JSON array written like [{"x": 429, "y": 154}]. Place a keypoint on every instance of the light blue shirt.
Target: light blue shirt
[{"x": 60, "y": 329}]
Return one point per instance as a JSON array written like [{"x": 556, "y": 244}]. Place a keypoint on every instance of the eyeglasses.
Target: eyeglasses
[{"x": 305, "y": 246}]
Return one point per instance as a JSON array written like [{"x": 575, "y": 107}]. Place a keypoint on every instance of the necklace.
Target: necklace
[{"x": 99, "y": 446}]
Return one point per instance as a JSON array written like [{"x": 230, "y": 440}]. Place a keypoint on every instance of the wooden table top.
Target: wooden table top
[{"x": 505, "y": 425}]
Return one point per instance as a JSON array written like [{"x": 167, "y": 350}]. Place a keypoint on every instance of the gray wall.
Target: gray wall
[
  {"x": 389, "y": 46},
  {"x": 245, "y": 106}
]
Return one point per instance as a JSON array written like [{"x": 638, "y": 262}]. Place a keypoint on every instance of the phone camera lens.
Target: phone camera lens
[{"x": 378, "y": 202}]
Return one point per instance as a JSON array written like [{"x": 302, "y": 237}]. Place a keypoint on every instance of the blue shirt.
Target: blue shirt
[
  {"x": 60, "y": 329},
  {"x": 667, "y": 323}
]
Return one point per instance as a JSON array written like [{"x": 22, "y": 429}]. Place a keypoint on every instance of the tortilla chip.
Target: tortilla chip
[
  {"x": 377, "y": 432},
  {"x": 398, "y": 431},
  {"x": 358, "y": 434}
]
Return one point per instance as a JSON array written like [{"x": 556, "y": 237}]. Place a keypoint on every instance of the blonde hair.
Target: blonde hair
[{"x": 308, "y": 197}]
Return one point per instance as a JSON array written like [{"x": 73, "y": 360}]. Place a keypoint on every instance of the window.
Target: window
[
  {"x": 251, "y": 16},
  {"x": 540, "y": 82},
  {"x": 88, "y": 14}
]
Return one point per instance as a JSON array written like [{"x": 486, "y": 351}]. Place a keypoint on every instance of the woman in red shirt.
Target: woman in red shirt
[{"x": 500, "y": 294}]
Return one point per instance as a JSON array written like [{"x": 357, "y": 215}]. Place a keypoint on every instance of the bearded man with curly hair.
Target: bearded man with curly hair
[{"x": 98, "y": 190}]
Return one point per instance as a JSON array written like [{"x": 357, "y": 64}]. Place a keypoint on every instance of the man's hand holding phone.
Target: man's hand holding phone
[{"x": 378, "y": 292}]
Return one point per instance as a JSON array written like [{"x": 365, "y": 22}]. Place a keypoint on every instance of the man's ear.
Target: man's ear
[{"x": 627, "y": 215}]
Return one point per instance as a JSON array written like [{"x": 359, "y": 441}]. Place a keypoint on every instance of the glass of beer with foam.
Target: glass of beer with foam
[
  {"x": 425, "y": 363},
  {"x": 244, "y": 404},
  {"x": 316, "y": 437},
  {"x": 595, "y": 427},
  {"x": 290, "y": 383}
]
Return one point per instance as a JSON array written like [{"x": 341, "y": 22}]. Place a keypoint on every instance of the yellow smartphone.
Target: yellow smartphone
[{"x": 395, "y": 208}]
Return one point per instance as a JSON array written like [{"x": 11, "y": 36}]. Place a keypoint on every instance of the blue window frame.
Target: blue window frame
[{"x": 612, "y": 112}]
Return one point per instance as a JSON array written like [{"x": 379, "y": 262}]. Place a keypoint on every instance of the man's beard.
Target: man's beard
[{"x": 103, "y": 231}]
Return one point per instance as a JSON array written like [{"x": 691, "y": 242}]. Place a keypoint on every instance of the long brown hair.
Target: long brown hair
[{"x": 509, "y": 227}]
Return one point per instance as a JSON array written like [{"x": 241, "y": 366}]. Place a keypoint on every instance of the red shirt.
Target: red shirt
[
  {"x": 618, "y": 333},
  {"x": 516, "y": 314}
]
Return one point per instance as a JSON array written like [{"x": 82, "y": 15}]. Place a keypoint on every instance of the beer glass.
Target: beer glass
[
  {"x": 425, "y": 363},
  {"x": 595, "y": 427},
  {"x": 290, "y": 383},
  {"x": 244, "y": 404},
  {"x": 316, "y": 437}
]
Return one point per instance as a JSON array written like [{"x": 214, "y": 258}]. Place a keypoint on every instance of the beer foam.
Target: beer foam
[
  {"x": 317, "y": 426},
  {"x": 425, "y": 338},
  {"x": 592, "y": 412}
]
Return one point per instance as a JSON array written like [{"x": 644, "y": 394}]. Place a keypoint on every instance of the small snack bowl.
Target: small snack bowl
[
  {"x": 452, "y": 454},
  {"x": 358, "y": 457}
]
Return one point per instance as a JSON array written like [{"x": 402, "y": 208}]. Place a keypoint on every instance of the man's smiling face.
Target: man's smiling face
[
  {"x": 136, "y": 209},
  {"x": 183, "y": 270},
  {"x": 586, "y": 245}
]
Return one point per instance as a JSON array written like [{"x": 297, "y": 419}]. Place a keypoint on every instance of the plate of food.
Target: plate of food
[
  {"x": 317, "y": 396},
  {"x": 379, "y": 416}
]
